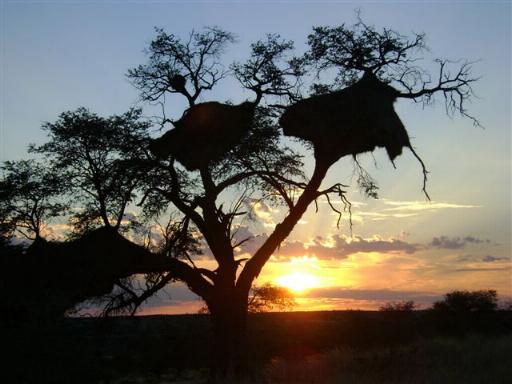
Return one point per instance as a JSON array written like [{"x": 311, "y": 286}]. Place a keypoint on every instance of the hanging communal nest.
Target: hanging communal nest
[
  {"x": 354, "y": 120},
  {"x": 205, "y": 133}
]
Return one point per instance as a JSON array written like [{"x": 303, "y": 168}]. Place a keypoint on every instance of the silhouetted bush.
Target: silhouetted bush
[
  {"x": 400, "y": 306},
  {"x": 466, "y": 301},
  {"x": 266, "y": 298}
]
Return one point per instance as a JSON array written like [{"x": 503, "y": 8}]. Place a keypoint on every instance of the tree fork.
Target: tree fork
[{"x": 254, "y": 266}]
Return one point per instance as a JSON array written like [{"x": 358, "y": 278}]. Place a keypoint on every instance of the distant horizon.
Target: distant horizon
[{"x": 303, "y": 304}]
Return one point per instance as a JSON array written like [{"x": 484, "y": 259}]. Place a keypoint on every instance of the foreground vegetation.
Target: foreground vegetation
[
  {"x": 474, "y": 359},
  {"x": 297, "y": 347}
]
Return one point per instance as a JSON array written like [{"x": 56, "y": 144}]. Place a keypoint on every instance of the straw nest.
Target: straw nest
[
  {"x": 205, "y": 133},
  {"x": 351, "y": 121}
]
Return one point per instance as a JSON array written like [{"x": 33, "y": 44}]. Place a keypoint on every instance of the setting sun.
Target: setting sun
[{"x": 298, "y": 281}]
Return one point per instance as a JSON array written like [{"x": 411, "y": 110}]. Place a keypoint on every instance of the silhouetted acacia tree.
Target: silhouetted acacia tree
[
  {"x": 96, "y": 157},
  {"x": 221, "y": 159},
  {"x": 29, "y": 197},
  {"x": 351, "y": 115}
]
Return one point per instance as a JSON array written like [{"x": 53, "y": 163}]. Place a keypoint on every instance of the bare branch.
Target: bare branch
[
  {"x": 337, "y": 190},
  {"x": 455, "y": 88},
  {"x": 269, "y": 71},
  {"x": 173, "y": 63}
]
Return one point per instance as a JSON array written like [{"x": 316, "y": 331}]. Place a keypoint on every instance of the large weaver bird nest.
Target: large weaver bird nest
[
  {"x": 205, "y": 133},
  {"x": 351, "y": 121}
]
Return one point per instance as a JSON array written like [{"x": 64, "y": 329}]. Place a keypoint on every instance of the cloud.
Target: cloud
[
  {"x": 375, "y": 245},
  {"x": 492, "y": 259},
  {"x": 250, "y": 241},
  {"x": 370, "y": 294},
  {"x": 379, "y": 216},
  {"x": 484, "y": 259},
  {"x": 241, "y": 234},
  {"x": 252, "y": 244},
  {"x": 329, "y": 247},
  {"x": 423, "y": 205},
  {"x": 57, "y": 231},
  {"x": 444, "y": 242},
  {"x": 388, "y": 209},
  {"x": 498, "y": 269},
  {"x": 340, "y": 247},
  {"x": 263, "y": 212},
  {"x": 354, "y": 204}
]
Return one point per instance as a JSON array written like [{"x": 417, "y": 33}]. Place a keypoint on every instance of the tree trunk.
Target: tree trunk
[{"x": 229, "y": 321}]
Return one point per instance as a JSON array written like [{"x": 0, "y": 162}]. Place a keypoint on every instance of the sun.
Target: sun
[{"x": 298, "y": 281}]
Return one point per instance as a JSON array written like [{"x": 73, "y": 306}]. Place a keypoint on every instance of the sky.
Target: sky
[{"x": 59, "y": 55}]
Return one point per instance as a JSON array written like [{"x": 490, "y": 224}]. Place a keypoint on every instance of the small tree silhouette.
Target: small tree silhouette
[
  {"x": 466, "y": 301},
  {"x": 400, "y": 306},
  {"x": 28, "y": 197},
  {"x": 100, "y": 163},
  {"x": 268, "y": 297},
  {"x": 265, "y": 298}
]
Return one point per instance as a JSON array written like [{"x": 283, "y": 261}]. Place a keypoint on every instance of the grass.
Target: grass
[
  {"x": 470, "y": 360},
  {"x": 309, "y": 347}
]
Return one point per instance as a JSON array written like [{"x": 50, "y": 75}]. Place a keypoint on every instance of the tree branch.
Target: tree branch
[{"x": 254, "y": 265}]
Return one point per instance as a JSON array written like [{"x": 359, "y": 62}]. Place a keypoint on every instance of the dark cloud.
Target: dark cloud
[
  {"x": 480, "y": 269},
  {"x": 339, "y": 247},
  {"x": 492, "y": 259},
  {"x": 444, "y": 242},
  {"x": 374, "y": 245},
  {"x": 471, "y": 239},
  {"x": 477, "y": 259},
  {"x": 371, "y": 294},
  {"x": 250, "y": 242},
  {"x": 333, "y": 247},
  {"x": 242, "y": 234},
  {"x": 294, "y": 248}
]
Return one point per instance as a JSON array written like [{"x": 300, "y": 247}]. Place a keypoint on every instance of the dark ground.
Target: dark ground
[{"x": 312, "y": 347}]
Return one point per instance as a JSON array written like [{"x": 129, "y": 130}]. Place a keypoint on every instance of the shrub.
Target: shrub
[
  {"x": 399, "y": 306},
  {"x": 466, "y": 301}
]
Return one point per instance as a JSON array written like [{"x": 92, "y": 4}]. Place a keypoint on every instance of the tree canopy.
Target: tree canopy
[
  {"x": 100, "y": 162},
  {"x": 28, "y": 198}
]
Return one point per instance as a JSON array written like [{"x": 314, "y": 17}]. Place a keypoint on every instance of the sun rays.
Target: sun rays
[{"x": 298, "y": 281}]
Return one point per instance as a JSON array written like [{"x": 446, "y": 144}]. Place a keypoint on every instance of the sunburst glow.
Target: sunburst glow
[{"x": 298, "y": 281}]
